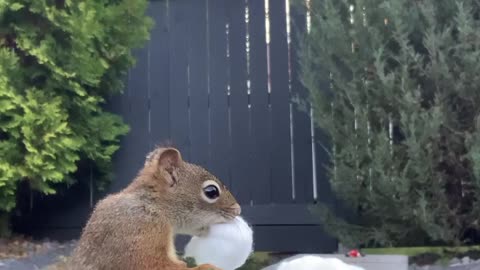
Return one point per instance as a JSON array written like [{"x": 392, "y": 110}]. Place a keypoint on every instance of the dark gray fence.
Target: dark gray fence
[{"x": 210, "y": 82}]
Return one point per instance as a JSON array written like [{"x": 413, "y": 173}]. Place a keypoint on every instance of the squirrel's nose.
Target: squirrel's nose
[{"x": 237, "y": 210}]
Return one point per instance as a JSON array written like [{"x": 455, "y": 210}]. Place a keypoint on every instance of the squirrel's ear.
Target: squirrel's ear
[
  {"x": 163, "y": 153},
  {"x": 168, "y": 160},
  {"x": 169, "y": 157}
]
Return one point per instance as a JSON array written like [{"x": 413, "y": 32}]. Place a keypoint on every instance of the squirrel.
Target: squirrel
[{"x": 135, "y": 228}]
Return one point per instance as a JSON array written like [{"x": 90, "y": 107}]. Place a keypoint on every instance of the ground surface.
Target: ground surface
[
  {"x": 456, "y": 265},
  {"x": 35, "y": 255},
  {"x": 23, "y": 254}
]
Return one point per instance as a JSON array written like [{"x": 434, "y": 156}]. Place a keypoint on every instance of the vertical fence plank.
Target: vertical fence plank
[
  {"x": 301, "y": 120},
  {"x": 261, "y": 118},
  {"x": 199, "y": 121},
  {"x": 179, "y": 107},
  {"x": 159, "y": 74},
  {"x": 220, "y": 155},
  {"x": 135, "y": 107},
  {"x": 139, "y": 107},
  {"x": 280, "y": 102},
  {"x": 120, "y": 105},
  {"x": 239, "y": 102}
]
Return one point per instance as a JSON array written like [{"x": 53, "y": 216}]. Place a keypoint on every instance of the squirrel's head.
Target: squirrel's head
[{"x": 191, "y": 192}]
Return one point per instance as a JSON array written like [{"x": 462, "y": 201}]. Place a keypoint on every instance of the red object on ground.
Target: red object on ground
[{"x": 354, "y": 253}]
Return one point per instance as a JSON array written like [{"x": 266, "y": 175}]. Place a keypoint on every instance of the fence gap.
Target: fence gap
[
  {"x": 229, "y": 91},
  {"x": 292, "y": 146},
  {"x": 312, "y": 116}
]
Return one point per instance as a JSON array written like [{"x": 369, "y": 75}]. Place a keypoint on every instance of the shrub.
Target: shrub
[
  {"x": 59, "y": 61},
  {"x": 395, "y": 86}
]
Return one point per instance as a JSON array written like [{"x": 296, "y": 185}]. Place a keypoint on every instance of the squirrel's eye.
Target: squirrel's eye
[{"x": 211, "y": 192}]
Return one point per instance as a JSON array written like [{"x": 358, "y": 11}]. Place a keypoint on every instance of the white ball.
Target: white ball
[
  {"x": 227, "y": 245},
  {"x": 310, "y": 262}
]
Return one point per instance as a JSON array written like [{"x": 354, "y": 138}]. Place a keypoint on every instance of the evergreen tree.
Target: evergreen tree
[
  {"x": 59, "y": 61},
  {"x": 395, "y": 86}
]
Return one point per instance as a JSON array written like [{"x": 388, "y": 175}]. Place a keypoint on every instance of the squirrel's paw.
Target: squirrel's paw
[
  {"x": 207, "y": 267},
  {"x": 202, "y": 232}
]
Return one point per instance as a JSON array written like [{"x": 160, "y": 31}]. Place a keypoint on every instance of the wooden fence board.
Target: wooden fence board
[
  {"x": 281, "y": 214},
  {"x": 139, "y": 112},
  {"x": 199, "y": 120},
  {"x": 135, "y": 144},
  {"x": 301, "y": 119},
  {"x": 239, "y": 102},
  {"x": 261, "y": 114},
  {"x": 280, "y": 102},
  {"x": 159, "y": 74},
  {"x": 220, "y": 155},
  {"x": 179, "y": 99},
  {"x": 293, "y": 239}
]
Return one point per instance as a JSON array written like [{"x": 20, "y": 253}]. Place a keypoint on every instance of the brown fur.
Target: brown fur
[{"x": 135, "y": 228}]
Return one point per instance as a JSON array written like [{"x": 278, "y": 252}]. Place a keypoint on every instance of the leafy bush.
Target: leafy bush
[
  {"x": 59, "y": 61},
  {"x": 256, "y": 261},
  {"x": 394, "y": 84}
]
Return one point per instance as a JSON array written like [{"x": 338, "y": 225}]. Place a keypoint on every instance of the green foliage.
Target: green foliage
[
  {"x": 394, "y": 84},
  {"x": 59, "y": 61},
  {"x": 5, "y": 225},
  {"x": 254, "y": 262},
  {"x": 257, "y": 261},
  {"x": 190, "y": 261}
]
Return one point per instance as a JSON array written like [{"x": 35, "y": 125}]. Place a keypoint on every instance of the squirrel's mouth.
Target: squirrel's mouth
[
  {"x": 228, "y": 216},
  {"x": 232, "y": 212}
]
